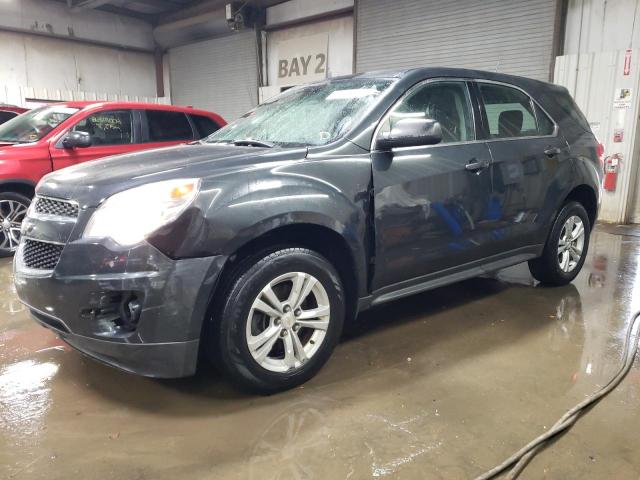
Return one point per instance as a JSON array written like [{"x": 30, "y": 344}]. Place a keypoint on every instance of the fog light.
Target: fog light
[{"x": 130, "y": 313}]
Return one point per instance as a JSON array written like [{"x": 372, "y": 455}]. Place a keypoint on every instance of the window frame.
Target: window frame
[
  {"x": 472, "y": 106},
  {"x": 83, "y": 115},
  {"x": 533, "y": 103},
  {"x": 132, "y": 114},
  {"x": 144, "y": 126}
]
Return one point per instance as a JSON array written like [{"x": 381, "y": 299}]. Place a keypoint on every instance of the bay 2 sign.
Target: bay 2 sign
[{"x": 302, "y": 60}]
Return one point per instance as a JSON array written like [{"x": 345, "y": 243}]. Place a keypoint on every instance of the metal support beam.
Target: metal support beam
[
  {"x": 88, "y": 4},
  {"x": 84, "y": 41}
]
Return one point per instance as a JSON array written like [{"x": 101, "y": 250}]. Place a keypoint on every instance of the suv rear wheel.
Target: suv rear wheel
[
  {"x": 279, "y": 321},
  {"x": 566, "y": 248},
  {"x": 13, "y": 208}
]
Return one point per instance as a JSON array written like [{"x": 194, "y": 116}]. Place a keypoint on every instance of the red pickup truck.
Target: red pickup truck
[{"x": 59, "y": 135}]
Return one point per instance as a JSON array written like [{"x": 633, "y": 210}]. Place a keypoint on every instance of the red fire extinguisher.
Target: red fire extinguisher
[{"x": 611, "y": 164}]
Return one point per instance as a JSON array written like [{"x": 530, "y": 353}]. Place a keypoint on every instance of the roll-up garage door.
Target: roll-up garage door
[
  {"x": 218, "y": 75},
  {"x": 509, "y": 36}
]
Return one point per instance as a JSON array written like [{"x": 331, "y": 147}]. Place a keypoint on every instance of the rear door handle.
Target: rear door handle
[
  {"x": 552, "y": 151},
  {"x": 475, "y": 165}
]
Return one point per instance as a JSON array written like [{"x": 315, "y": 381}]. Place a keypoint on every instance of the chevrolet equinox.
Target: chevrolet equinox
[{"x": 253, "y": 246}]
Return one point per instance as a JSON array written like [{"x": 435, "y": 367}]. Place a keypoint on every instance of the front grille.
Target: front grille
[
  {"x": 61, "y": 208},
  {"x": 41, "y": 255}
]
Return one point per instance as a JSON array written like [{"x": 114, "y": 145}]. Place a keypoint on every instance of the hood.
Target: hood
[{"x": 90, "y": 183}]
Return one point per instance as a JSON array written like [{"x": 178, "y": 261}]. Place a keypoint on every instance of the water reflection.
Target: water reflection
[
  {"x": 9, "y": 302},
  {"x": 294, "y": 444},
  {"x": 25, "y": 396}
]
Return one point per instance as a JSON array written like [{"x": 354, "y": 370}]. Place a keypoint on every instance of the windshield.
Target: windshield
[
  {"x": 305, "y": 116},
  {"x": 35, "y": 124}
]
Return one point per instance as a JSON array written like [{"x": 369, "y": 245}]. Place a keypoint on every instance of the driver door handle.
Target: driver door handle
[
  {"x": 474, "y": 165},
  {"x": 552, "y": 151}
]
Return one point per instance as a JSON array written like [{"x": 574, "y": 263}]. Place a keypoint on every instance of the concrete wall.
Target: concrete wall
[
  {"x": 46, "y": 63},
  {"x": 54, "y": 19},
  {"x": 47, "y": 49}
]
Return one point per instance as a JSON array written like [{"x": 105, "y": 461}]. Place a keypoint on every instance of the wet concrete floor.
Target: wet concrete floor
[{"x": 443, "y": 385}]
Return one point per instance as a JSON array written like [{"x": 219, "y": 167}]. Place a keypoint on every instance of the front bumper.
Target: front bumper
[{"x": 87, "y": 300}]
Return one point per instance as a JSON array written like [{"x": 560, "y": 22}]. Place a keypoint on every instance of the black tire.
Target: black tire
[
  {"x": 227, "y": 341},
  {"x": 547, "y": 269},
  {"x": 6, "y": 197}
]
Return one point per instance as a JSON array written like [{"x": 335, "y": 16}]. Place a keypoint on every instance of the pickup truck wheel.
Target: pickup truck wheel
[
  {"x": 566, "y": 248},
  {"x": 279, "y": 321},
  {"x": 13, "y": 208}
]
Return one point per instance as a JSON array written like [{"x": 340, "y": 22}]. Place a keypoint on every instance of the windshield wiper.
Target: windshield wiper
[{"x": 253, "y": 143}]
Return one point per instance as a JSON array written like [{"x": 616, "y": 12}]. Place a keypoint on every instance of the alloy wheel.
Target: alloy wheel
[
  {"x": 571, "y": 244},
  {"x": 12, "y": 214},
  {"x": 288, "y": 322}
]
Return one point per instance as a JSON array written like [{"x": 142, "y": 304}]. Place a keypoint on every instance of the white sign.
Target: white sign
[
  {"x": 622, "y": 98},
  {"x": 302, "y": 60}
]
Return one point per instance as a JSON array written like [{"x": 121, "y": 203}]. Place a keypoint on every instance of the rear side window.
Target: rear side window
[
  {"x": 562, "y": 107},
  {"x": 204, "y": 125},
  {"x": 111, "y": 127},
  {"x": 545, "y": 125},
  {"x": 509, "y": 111},
  {"x": 6, "y": 116},
  {"x": 168, "y": 126}
]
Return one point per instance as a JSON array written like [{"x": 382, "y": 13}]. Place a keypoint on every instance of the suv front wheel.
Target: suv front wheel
[
  {"x": 278, "y": 321},
  {"x": 13, "y": 208}
]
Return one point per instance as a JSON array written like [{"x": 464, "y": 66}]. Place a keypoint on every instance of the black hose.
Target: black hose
[{"x": 521, "y": 458}]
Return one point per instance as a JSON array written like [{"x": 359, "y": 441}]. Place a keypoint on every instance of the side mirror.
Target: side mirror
[
  {"x": 77, "y": 140},
  {"x": 410, "y": 132}
]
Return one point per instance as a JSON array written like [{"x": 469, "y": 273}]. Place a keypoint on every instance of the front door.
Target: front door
[
  {"x": 112, "y": 132},
  {"x": 433, "y": 206},
  {"x": 527, "y": 153}
]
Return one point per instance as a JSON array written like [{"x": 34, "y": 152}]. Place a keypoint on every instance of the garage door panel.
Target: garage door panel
[
  {"x": 515, "y": 36},
  {"x": 218, "y": 74}
]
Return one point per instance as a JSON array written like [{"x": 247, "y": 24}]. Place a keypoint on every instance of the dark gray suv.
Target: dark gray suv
[{"x": 255, "y": 245}]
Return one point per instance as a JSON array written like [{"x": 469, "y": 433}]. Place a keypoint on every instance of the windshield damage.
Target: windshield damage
[{"x": 310, "y": 115}]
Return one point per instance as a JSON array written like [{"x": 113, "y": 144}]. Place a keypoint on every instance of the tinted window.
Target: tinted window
[
  {"x": 508, "y": 111},
  {"x": 112, "y": 127},
  {"x": 4, "y": 116},
  {"x": 446, "y": 102},
  {"x": 204, "y": 125},
  {"x": 560, "y": 104},
  {"x": 168, "y": 126},
  {"x": 545, "y": 125}
]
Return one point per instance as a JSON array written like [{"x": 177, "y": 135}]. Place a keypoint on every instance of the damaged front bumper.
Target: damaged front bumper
[{"x": 132, "y": 308}]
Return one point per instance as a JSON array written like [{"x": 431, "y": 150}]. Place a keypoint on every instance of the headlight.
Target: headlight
[{"x": 130, "y": 216}]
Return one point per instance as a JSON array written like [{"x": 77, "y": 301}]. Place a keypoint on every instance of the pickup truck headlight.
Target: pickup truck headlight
[{"x": 130, "y": 216}]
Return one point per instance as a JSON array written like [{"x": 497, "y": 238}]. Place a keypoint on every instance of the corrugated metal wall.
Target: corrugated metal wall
[
  {"x": 218, "y": 75},
  {"x": 511, "y": 36},
  {"x": 592, "y": 79}
]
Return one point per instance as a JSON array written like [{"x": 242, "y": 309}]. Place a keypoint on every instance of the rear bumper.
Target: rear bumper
[{"x": 90, "y": 308}]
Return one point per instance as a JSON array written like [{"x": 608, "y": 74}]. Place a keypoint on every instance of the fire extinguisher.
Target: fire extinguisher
[{"x": 611, "y": 164}]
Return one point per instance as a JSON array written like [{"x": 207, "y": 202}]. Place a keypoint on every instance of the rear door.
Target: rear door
[
  {"x": 432, "y": 202},
  {"x": 163, "y": 128},
  {"x": 527, "y": 151},
  {"x": 112, "y": 132},
  {"x": 204, "y": 126}
]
